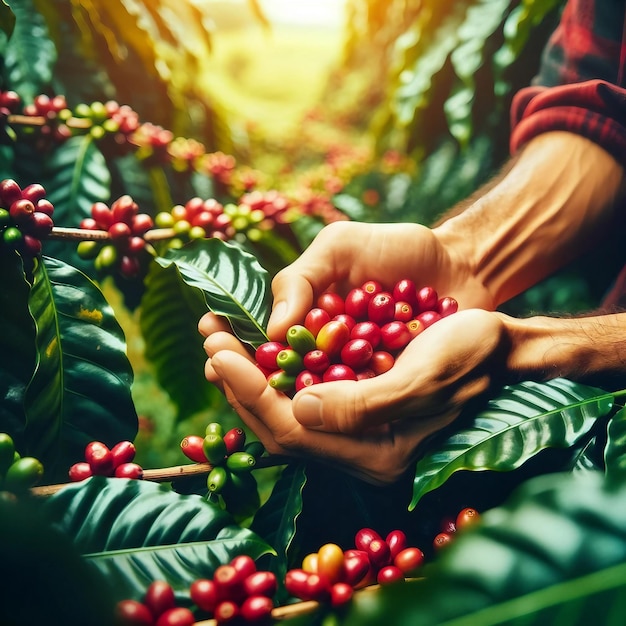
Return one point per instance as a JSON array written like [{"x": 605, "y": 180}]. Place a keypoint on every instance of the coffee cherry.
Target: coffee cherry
[
  {"x": 44, "y": 206},
  {"x": 290, "y": 361},
  {"x": 226, "y": 612},
  {"x": 372, "y": 287},
  {"x": 123, "y": 452},
  {"x": 415, "y": 327},
  {"x": 240, "y": 462},
  {"x": 405, "y": 290},
  {"x": 31, "y": 246},
  {"x": 132, "y": 613},
  {"x": 123, "y": 209},
  {"x": 40, "y": 225},
  {"x": 403, "y": 311},
  {"x": 129, "y": 470},
  {"x": 356, "y": 303},
  {"x": 338, "y": 371},
  {"x": 255, "y": 448},
  {"x": 265, "y": 354},
  {"x": 21, "y": 211},
  {"x": 340, "y": 594},
  {"x": 409, "y": 560},
  {"x": 295, "y": 582},
  {"x": 367, "y": 330},
  {"x": 159, "y": 598},
  {"x": 79, "y": 471},
  {"x": 332, "y": 303},
  {"x": 356, "y": 565},
  {"x": 309, "y": 563},
  {"x": 235, "y": 440},
  {"x": 229, "y": 583},
  {"x": 12, "y": 237},
  {"x": 427, "y": 299},
  {"x": 330, "y": 561},
  {"x": 244, "y": 564},
  {"x": 306, "y": 378},
  {"x": 281, "y": 381},
  {"x": 192, "y": 447},
  {"x": 203, "y": 593},
  {"x": 381, "y": 362},
  {"x": 396, "y": 540},
  {"x": 389, "y": 574},
  {"x": 316, "y": 361},
  {"x": 118, "y": 231},
  {"x": 378, "y": 552},
  {"x": 102, "y": 214},
  {"x": 446, "y": 306},
  {"x": 428, "y": 318},
  {"x": 7, "y": 452},
  {"x": 381, "y": 308},
  {"x": 364, "y": 537},
  {"x": 357, "y": 353},
  {"x": 301, "y": 339},
  {"x": 176, "y": 616},
  {"x": 214, "y": 428},
  {"x": 256, "y": 609},
  {"x": 394, "y": 335},
  {"x": 5, "y": 218},
  {"x": 317, "y": 587},
  {"x": 441, "y": 540},
  {"x": 467, "y": 517},
  {"x": 10, "y": 191},
  {"x": 263, "y": 583},
  {"x": 34, "y": 192},
  {"x": 332, "y": 337},
  {"x": 141, "y": 223},
  {"x": 217, "y": 479},
  {"x": 315, "y": 319},
  {"x": 100, "y": 459},
  {"x": 214, "y": 449},
  {"x": 23, "y": 474}
]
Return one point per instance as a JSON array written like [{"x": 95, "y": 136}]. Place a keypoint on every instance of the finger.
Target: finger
[{"x": 210, "y": 323}]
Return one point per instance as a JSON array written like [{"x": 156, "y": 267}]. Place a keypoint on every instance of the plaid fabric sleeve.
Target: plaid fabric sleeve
[{"x": 580, "y": 87}]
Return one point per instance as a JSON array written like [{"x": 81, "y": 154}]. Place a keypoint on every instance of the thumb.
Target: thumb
[{"x": 293, "y": 297}]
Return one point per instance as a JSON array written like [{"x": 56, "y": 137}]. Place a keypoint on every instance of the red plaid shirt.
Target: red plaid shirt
[{"x": 581, "y": 88}]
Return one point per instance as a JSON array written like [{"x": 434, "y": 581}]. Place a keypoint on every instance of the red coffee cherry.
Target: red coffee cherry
[
  {"x": 192, "y": 446},
  {"x": 265, "y": 355},
  {"x": 338, "y": 371},
  {"x": 394, "y": 335},
  {"x": 315, "y": 319},
  {"x": 235, "y": 440},
  {"x": 467, "y": 517},
  {"x": 367, "y": 330},
  {"x": 381, "y": 362},
  {"x": 441, "y": 540},
  {"x": 332, "y": 303},
  {"x": 132, "y": 613},
  {"x": 229, "y": 583},
  {"x": 102, "y": 214},
  {"x": 40, "y": 225},
  {"x": 317, "y": 587},
  {"x": 177, "y": 616},
  {"x": 257, "y": 609},
  {"x": 428, "y": 318},
  {"x": 244, "y": 565},
  {"x": 405, "y": 290},
  {"x": 316, "y": 361},
  {"x": 403, "y": 311},
  {"x": 80, "y": 471},
  {"x": 348, "y": 320},
  {"x": 159, "y": 598},
  {"x": 381, "y": 308},
  {"x": 306, "y": 378},
  {"x": 123, "y": 209},
  {"x": 427, "y": 299},
  {"x": 295, "y": 582},
  {"x": 21, "y": 211},
  {"x": 356, "y": 565},
  {"x": 341, "y": 593},
  {"x": 357, "y": 353},
  {"x": 44, "y": 206},
  {"x": 364, "y": 537},
  {"x": 129, "y": 470},
  {"x": 99, "y": 458},
  {"x": 396, "y": 540},
  {"x": 389, "y": 574},
  {"x": 203, "y": 593},
  {"x": 415, "y": 327},
  {"x": 10, "y": 191},
  {"x": 123, "y": 452},
  {"x": 378, "y": 552},
  {"x": 446, "y": 306},
  {"x": 34, "y": 192},
  {"x": 372, "y": 287},
  {"x": 262, "y": 583},
  {"x": 332, "y": 337},
  {"x": 227, "y": 612},
  {"x": 141, "y": 223},
  {"x": 365, "y": 374},
  {"x": 356, "y": 303},
  {"x": 119, "y": 231},
  {"x": 409, "y": 560}
]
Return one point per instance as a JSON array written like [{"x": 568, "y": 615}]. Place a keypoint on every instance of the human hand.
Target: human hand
[
  {"x": 346, "y": 254},
  {"x": 372, "y": 428}
]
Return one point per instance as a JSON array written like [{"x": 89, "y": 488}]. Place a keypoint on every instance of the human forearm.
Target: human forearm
[
  {"x": 555, "y": 202},
  {"x": 589, "y": 349}
]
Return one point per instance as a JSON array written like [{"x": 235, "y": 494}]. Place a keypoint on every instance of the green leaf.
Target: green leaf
[
  {"x": 232, "y": 281},
  {"x": 515, "y": 426},
  {"x": 7, "y": 19},
  {"x": 555, "y": 553},
  {"x": 30, "y": 55},
  {"x": 615, "y": 450},
  {"x": 276, "y": 520},
  {"x": 169, "y": 315},
  {"x": 81, "y": 388},
  {"x": 17, "y": 345},
  {"x": 136, "y": 531}
]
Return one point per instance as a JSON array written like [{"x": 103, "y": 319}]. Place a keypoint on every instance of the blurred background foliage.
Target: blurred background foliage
[{"x": 388, "y": 110}]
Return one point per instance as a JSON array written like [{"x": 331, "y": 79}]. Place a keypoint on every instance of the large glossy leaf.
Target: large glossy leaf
[
  {"x": 80, "y": 390},
  {"x": 7, "y": 19},
  {"x": 615, "y": 450},
  {"x": 276, "y": 520},
  {"x": 232, "y": 281},
  {"x": 554, "y": 554},
  {"x": 17, "y": 345},
  {"x": 523, "y": 420},
  {"x": 30, "y": 55},
  {"x": 136, "y": 531},
  {"x": 169, "y": 315}
]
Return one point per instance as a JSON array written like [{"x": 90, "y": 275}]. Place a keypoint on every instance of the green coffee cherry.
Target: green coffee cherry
[
  {"x": 7, "y": 452},
  {"x": 107, "y": 257},
  {"x": 5, "y": 218},
  {"x": 23, "y": 474},
  {"x": 290, "y": 361},
  {"x": 301, "y": 339},
  {"x": 12, "y": 237},
  {"x": 255, "y": 448},
  {"x": 214, "y": 449},
  {"x": 241, "y": 495},
  {"x": 214, "y": 428},
  {"x": 240, "y": 462},
  {"x": 217, "y": 478},
  {"x": 88, "y": 249},
  {"x": 282, "y": 381}
]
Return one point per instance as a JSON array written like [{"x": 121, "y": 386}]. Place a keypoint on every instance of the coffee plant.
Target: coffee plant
[{"x": 518, "y": 509}]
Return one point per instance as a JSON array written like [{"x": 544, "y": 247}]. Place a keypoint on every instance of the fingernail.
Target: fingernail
[{"x": 307, "y": 410}]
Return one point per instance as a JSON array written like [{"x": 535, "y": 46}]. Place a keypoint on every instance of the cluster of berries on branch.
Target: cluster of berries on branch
[
  {"x": 352, "y": 338},
  {"x": 17, "y": 473},
  {"x": 100, "y": 460}
]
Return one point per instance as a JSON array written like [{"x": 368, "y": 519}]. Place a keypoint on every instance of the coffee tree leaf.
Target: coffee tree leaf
[
  {"x": 276, "y": 521},
  {"x": 232, "y": 281},
  {"x": 17, "y": 340},
  {"x": 169, "y": 315},
  {"x": 7, "y": 19},
  {"x": 136, "y": 531},
  {"x": 554, "y": 553},
  {"x": 523, "y": 420},
  {"x": 81, "y": 387},
  {"x": 615, "y": 450}
]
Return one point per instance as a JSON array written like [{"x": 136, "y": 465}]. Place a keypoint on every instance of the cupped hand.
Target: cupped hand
[
  {"x": 372, "y": 428},
  {"x": 346, "y": 254}
]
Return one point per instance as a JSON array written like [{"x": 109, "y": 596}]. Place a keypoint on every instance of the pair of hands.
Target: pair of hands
[{"x": 372, "y": 427}]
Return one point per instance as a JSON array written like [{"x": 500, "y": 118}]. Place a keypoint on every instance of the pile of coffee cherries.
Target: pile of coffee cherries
[
  {"x": 100, "y": 460},
  {"x": 352, "y": 338},
  {"x": 17, "y": 473},
  {"x": 25, "y": 217}
]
